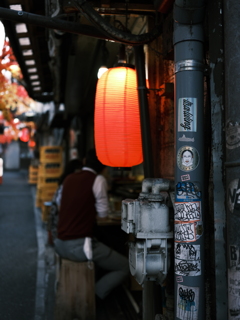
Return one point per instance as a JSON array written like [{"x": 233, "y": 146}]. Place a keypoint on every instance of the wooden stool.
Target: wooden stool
[{"x": 75, "y": 290}]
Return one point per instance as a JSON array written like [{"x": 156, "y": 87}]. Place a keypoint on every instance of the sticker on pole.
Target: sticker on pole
[
  {"x": 232, "y": 135},
  {"x": 187, "y": 302},
  {"x": 185, "y": 177},
  {"x": 187, "y": 211},
  {"x": 185, "y": 139},
  {"x": 187, "y": 114},
  {"x": 187, "y": 259},
  {"x": 233, "y": 196},
  {"x": 187, "y": 251},
  {"x": 234, "y": 282},
  {"x": 234, "y": 294},
  {"x": 188, "y": 191},
  {"x": 234, "y": 257},
  {"x": 187, "y": 268},
  {"x": 188, "y": 232},
  {"x": 187, "y": 158}
]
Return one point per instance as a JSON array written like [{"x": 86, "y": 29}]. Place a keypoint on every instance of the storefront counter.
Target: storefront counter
[{"x": 113, "y": 219}]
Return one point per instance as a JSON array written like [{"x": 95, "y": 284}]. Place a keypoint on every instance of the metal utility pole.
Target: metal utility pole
[
  {"x": 231, "y": 14},
  {"x": 189, "y": 172}
]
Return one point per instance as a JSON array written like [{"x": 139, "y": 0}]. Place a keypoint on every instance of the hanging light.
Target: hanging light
[
  {"x": 104, "y": 58},
  {"x": 101, "y": 71},
  {"x": 1, "y": 170},
  {"x": 117, "y": 130},
  {"x": 2, "y": 37}
]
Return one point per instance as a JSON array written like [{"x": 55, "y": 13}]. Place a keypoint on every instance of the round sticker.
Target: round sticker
[
  {"x": 232, "y": 135},
  {"x": 234, "y": 196},
  {"x": 187, "y": 158}
]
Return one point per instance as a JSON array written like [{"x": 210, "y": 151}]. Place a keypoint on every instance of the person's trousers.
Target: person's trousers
[{"x": 103, "y": 257}]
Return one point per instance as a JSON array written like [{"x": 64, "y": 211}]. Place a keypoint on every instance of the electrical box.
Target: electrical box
[{"x": 147, "y": 218}]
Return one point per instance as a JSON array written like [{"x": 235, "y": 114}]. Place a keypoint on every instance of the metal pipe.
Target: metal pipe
[
  {"x": 144, "y": 112},
  {"x": 51, "y": 23},
  {"x": 231, "y": 12},
  {"x": 189, "y": 173},
  {"x": 149, "y": 286},
  {"x": 131, "y": 299}
]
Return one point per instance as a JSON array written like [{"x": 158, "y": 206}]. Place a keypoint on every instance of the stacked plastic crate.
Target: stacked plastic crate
[
  {"x": 50, "y": 169},
  {"x": 33, "y": 174}
]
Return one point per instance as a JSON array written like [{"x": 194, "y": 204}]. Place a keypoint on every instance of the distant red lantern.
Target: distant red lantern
[
  {"x": 31, "y": 144},
  {"x": 21, "y": 92},
  {"x": 24, "y": 135},
  {"x": 117, "y": 129},
  {"x": 3, "y": 138}
]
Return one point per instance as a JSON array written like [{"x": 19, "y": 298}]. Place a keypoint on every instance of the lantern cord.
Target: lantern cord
[
  {"x": 124, "y": 37},
  {"x": 144, "y": 112},
  {"x": 107, "y": 36},
  {"x": 121, "y": 26},
  {"x": 105, "y": 53},
  {"x": 126, "y": 3}
]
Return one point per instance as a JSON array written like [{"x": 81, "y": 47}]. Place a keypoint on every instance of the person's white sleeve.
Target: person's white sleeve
[
  {"x": 100, "y": 192},
  {"x": 59, "y": 196}
]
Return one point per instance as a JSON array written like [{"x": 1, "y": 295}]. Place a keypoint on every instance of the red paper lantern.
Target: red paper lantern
[{"x": 117, "y": 129}]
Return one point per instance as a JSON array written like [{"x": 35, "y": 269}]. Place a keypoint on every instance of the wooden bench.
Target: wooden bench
[{"x": 75, "y": 290}]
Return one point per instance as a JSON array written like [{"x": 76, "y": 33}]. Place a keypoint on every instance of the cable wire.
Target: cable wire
[{"x": 112, "y": 32}]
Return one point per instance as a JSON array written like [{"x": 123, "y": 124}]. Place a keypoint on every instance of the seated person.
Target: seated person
[
  {"x": 72, "y": 166},
  {"x": 84, "y": 199}
]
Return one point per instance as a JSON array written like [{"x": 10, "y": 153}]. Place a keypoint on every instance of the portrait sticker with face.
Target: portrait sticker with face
[{"x": 187, "y": 158}]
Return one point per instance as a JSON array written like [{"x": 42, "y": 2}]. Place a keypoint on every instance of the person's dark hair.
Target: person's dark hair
[
  {"x": 71, "y": 167},
  {"x": 93, "y": 162}
]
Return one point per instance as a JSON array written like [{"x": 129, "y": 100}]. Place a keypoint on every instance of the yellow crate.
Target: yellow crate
[
  {"x": 50, "y": 169},
  {"x": 32, "y": 175},
  {"x": 33, "y": 169},
  {"x": 48, "y": 194},
  {"x": 32, "y": 180},
  {"x": 43, "y": 188},
  {"x": 38, "y": 203},
  {"x": 38, "y": 193},
  {"x": 38, "y": 198},
  {"x": 43, "y": 192},
  {"x": 51, "y": 154},
  {"x": 47, "y": 182}
]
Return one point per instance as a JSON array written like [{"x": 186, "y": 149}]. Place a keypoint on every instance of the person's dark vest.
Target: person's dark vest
[{"x": 77, "y": 215}]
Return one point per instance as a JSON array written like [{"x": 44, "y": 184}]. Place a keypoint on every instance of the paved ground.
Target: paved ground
[
  {"x": 22, "y": 294},
  {"x": 18, "y": 248}
]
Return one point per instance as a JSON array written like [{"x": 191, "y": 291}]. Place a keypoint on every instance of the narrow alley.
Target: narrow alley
[{"x": 27, "y": 261}]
